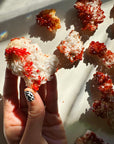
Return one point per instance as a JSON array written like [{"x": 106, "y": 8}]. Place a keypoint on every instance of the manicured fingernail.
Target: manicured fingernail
[{"x": 29, "y": 95}]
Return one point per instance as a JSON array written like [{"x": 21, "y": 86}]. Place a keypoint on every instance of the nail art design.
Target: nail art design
[{"x": 29, "y": 95}]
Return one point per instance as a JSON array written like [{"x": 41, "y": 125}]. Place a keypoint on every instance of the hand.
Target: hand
[{"x": 31, "y": 122}]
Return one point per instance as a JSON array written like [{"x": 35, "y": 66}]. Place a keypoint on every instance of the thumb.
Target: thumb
[{"x": 36, "y": 112}]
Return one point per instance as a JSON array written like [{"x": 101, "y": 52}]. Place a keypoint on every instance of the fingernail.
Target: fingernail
[{"x": 29, "y": 95}]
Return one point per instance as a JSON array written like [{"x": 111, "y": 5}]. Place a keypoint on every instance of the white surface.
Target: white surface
[
  {"x": 19, "y": 20},
  {"x": 11, "y": 8}
]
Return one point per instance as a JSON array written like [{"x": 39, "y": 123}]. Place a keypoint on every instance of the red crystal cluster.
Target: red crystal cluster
[
  {"x": 97, "y": 48},
  {"x": 72, "y": 57},
  {"x": 89, "y": 138},
  {"x": 16, "y": 51},
  {"x": 47, "y": 18},
  {"x": 105, "y": 84},
  {"x": 104, "y": 107},
  {"x": 21, "y": 54},
  {"x": 100, "y": 50},
  {"x": 72, "y": 47},
  {"x": 90, "y": 13}
]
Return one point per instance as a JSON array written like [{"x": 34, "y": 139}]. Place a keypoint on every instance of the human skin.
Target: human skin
[{"x": 31, "y": 122}]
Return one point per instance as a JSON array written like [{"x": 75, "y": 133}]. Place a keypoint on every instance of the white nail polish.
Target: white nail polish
[{"x": 29, "y": 95}]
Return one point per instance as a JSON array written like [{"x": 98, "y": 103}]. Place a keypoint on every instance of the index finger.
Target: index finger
[
  {"x": 52, "y": 96},
  {"x": 10, "y": 91}
]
